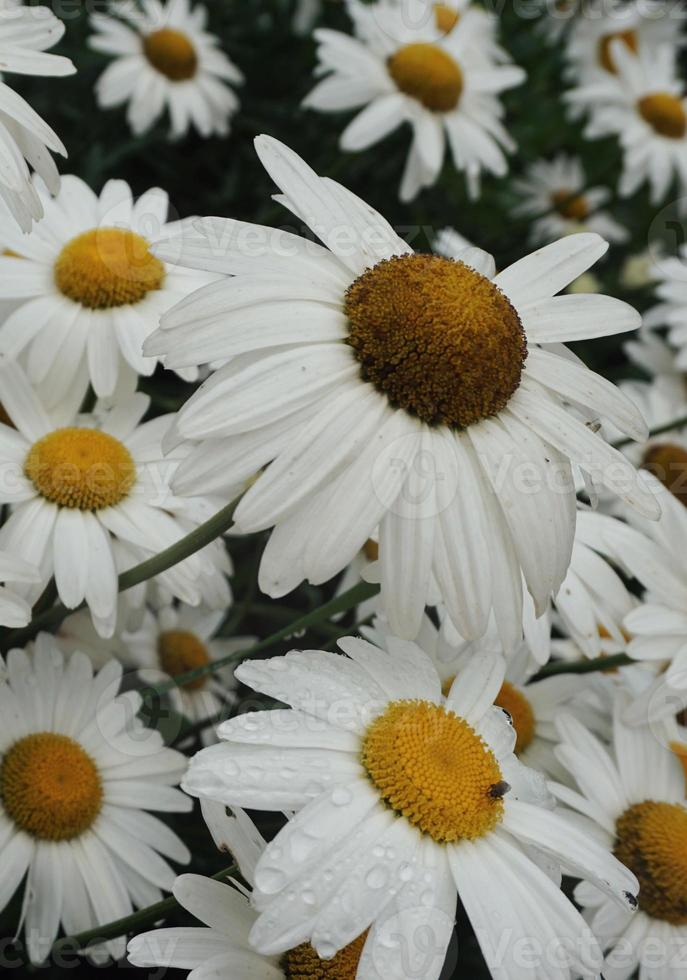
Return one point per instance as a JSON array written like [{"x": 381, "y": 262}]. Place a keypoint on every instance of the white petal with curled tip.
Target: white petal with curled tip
[{"x": 576, "y": 851}]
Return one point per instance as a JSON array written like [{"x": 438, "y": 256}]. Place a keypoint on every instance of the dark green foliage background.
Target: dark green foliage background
[{"x": 223, "y": 177}]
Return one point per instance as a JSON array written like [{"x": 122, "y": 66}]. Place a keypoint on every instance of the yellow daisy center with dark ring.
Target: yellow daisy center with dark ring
[
  {"x": 303, "y": 963},
  {"x": 437, "y": 338}
]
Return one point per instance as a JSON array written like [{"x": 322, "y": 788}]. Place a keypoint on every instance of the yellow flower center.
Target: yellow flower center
[
  {"x": 303, "y": 963},
  {"x": 179, "y": 652},
  {"x": 50, "y": 787},
  {"x": 651, "y": 840},
  {"x": 665, "y": 113},
  {"x": 628, "y": 38},
  {"x": 107, "y": 267},
  {"x": 437, "y": 338},
  {"x": 80, "y": 468},
  {"x": 512, "y": 700},
  {"x": 572, "y": 208},
  {"x": 445, "y": 17},
  {"x": 429, "y": 74},
  {"x": 433, "y": 768},
  {"x": 668, "y": 463},
  {"x": 171, "y": 53}
]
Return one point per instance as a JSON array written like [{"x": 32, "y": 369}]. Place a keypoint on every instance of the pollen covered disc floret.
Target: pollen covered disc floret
[
  {"x": 80, "y": 468},
  {"x": 665, "y": 113},
  {"x": 429, "y": 74},
  {"x": 180, "y": 651},
  {"x": 651, "y": 840},
  {"x": 107, "y": 267},
  {"x": 432, "y": 767},
  {"x": 303, "y": 963},
  {"x": 439, "y": 339},
  {"x": 50, "y": 787},
  {"x": 171, "y": 53}
]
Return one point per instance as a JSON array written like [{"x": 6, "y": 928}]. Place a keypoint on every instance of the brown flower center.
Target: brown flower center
[
  {"x": 303, "y": 963},
  {"x": 171, "y": 53},
  {"x": 429, "y": 74},
  {"x": 437, "y": 338},
  {"x": 665, "y": 113},
  {"x": 180, "y": 651},
  {"x": 574, "y": 208},
  {"x": 668, "y": 463}
]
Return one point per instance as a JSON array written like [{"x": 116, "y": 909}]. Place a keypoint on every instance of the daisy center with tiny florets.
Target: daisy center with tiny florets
[
  {"x": 431, "y": 766},
  {"x": 107, "y": 267},
  {"x": 668, "y": 463},
  {"x": 651, "y": 840},
  {"x": 50, "y": 787},
  {"x": 180, "y": 651},
  {"x": 628, "y": 38},
  {"x": 445, "y": 17},
  {"x": 80, "y": 468},
  {"x": 171, "y": 53},
  {"x": 429, "y": 74},
  {"x": 570, "y": 206},
  {"x": 303, "y": 963},
  {"x": 665, "y": 114},
  {"x": 437, "y": 338}
]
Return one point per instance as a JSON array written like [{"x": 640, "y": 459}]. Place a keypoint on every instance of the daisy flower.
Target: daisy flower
[
  {"x": 78, "y": 774},
  {"x": 176, "y": 639},
  {"x": 635, "y": 25},
  {"x": 634, "y": 794},
  {"x": 165, "y": 58},
  {"x": 405, "y": 67},
  {"x": 26, "y": 32},
  {"x": 404, "y": 798},
  {"x": 670, "y": 276},
  {"x": 555, "y": 195},
  {"x": 645, "y": 107},
  {"x": 653, "y": 552},
  {"x": 88, "y": 290},
  {"x": 78, "y": 486},
  {"x": 343, "y": 378}
]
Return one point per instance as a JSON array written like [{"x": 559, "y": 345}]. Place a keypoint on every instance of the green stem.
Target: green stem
[
  {"x": 658, "y": 431},
  {"x": 582, "y": 666},
  {"x": 203, "y": 535},
  {"x": 347, "y": 600},
  {"x": 130, "y": 923}
]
